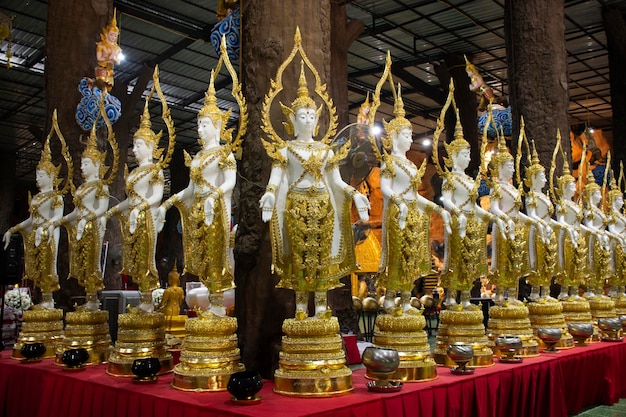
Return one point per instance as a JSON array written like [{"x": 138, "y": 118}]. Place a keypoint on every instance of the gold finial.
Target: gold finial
[
  {"x": 535, "y": 165},
  {"x": 458, "y": 128},
  {"x": 469, "y": 67},
  {"x": 303, "y": 100},
  {"x": 591, "y": 185},
  {"x": 459, "y": 141},
  {"x": 173, "y": 275},
  {"x": 501, "y": 156},
  {"x": 145, "y": 131}
]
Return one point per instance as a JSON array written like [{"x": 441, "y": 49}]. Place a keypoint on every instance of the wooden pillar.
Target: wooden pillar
[
  {"x": 268, "y": 28},
  {"x": 537, "y": 71},
  {"x": 615, "y": 27}
]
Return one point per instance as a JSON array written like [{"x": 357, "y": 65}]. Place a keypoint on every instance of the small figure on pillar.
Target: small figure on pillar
[
  {"x": 307, "y": 201},
  {"x": 40, "y": 230},
  {"x": 108, "y": 54},
  {"x": 173, "y": 295},
  {"x": 144, "y": 190}
]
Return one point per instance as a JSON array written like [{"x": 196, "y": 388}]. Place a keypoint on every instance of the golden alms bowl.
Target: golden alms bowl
[{"x": 550, "y": 337}]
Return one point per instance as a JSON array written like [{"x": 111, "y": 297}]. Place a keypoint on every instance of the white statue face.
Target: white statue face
[
  {"x": 618, "y": 203},
  {"x": 403, "y": 140},
  {"x": 506, "y": 170},
  {"x": 596, "y": 197},
  {"x": 88, "y": 168},
  {"x": 539, "y": 179},
  {"x": 569, "y": 189},
  {"x": 141, "y": 150},
  {"x": 43, "y": 179},
  {"x": 461, "y": 159},
  {"x": 207, "y": 131},
  {"x": 112, "y": 36},
  {"x": 304, "y": 122}
]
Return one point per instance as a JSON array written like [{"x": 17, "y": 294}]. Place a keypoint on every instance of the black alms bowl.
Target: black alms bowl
[
  {"x": 75, "y": 358},
  {"x": 33, "y": 351},
  {"x": 146, "y": 368},
  {"x": 244, "y": 385}
]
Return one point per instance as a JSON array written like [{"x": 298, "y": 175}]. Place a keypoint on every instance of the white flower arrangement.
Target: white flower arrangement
[
  {"x": 17, "y": 299},
  {"x": 157, "y": 296}
]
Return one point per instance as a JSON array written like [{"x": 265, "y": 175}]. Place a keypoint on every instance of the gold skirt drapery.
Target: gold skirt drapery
[
  {"x": 138, "y": 250},
  {"x": 84, "y": 255},
  {"x": 39, "y": 261},
  {"x": 206, "y": 247}
]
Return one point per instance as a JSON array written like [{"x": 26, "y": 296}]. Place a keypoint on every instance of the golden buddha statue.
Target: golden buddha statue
[
  {"x": 308, "y": 205},
  {"x": 173, "y": 295},
  {"x": 40, "y": 232}
]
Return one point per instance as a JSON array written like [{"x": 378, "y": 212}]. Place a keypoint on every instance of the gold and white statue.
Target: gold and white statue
[
  {"x": 308, "y": 205},
  {"x": 205, "y": 204},
  {"x": 307, "y": 201},
  {"x": 144, "y": 190},
  {"x": 43, "y": 323},
  {"x": 617, "y": 227},
  {"x": 541, "y": 236},
  {"x": 108, "y": 54},
  {"x": 40, "y": 231}
]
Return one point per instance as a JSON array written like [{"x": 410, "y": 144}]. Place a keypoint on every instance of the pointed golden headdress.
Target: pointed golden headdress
[
  {"x": 459, "y": 143},
  {"x": 45, "y": 162},
  {"x": 615, "y": 189},
  {"x": 399, "y": 122},
  {"x": 534, "y": 165},
  {"x": 591, "y": 185},
  {"x": 210, "y": 108},
  {"x": 112, "y": 27},
  {"x": 501, "y": 156},
  {"x": 302, "y": 101},
  {"x": 91, "y": 148},
  {"x": 145, "y": 131}
]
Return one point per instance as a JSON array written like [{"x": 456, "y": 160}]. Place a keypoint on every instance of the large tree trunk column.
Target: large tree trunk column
[
  {"x": 615, "y": 26},
  {"x": 537, "y": 70},
  {"x": 268, "y": 28}
]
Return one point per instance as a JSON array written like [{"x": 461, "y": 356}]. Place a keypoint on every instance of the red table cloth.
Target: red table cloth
[{"x": 553, "y": 385}]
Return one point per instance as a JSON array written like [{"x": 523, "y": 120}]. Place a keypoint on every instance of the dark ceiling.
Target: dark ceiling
[{"x": 419, "y": 33}]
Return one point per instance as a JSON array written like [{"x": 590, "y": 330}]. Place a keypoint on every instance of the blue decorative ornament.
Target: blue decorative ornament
[
  {"x": 483, "y": 189},
  {"x": 598, "y": 174},
  {"x": 229, "y": 26},
  {"x": 88, "y": 108},
  {"x": 502, "y": 118}
]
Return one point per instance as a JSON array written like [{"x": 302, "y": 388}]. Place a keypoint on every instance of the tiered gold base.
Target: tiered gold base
[
  {"x": 406, "y": 335},
  {"x": 140, "y": 335},
  {"x": 620, "y": 305},
  {"x": 89, "y": 330},
  {"x": 209, "y": 355},
  {"x": 601, "y": 307},
  {"x": 312, "y": 362},
  {"x": 577, "y": 310},
  {"x": 464, "y": 326},
  {"x": 511, "y": 320},
  {"x": 548, "y": 313},
  {"x": 175, "y": 326},
  {"x": 40, "y": 325}
]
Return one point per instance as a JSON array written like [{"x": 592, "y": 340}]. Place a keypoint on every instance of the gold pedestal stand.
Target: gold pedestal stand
[
  {"x": 600, "y": 307},
  {"x": 620, "y": 305},
  {"x": 209, "y": 355},
  {"x": 312, "y": 362},
  {"x": 548, "y": 314},
  {"x": 406, "y": 335},
  {"x": 512, "y": 320},
  {"x": 140, "y": 335},
  {"x": 577, "y": 310},
  {"x": 89, "y": 330},
  {"x": 40, "y": 325},
  {"x": 465, "y": 326}
]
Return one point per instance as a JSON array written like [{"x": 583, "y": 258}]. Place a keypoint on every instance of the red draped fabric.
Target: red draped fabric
[{"x": 553, "y": 385}]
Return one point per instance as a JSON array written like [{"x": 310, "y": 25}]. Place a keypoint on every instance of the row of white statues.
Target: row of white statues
[{"x": 307, "y": 204}]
